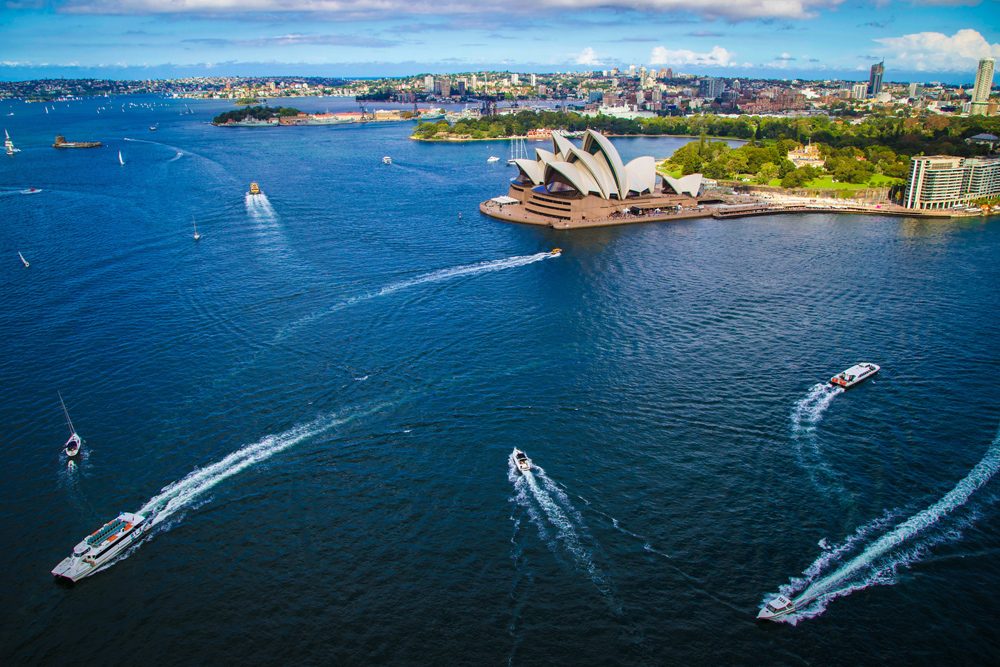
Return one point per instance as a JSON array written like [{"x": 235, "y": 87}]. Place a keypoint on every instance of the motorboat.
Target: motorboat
[
  {"x": 555, "y": 252},
  {"x": 74, "y": 443},
  {"x": 387, "y": 160},
  {"x": 520, "y": 460},
  {"x": 776, "y": 608},
  {"x": 30, "y": 191},
  {"x": 254, "y": 188},
  {"x": 855, "y": 375},
  {"x": 492, "y": 158},
  {"x": 100, "y": 547},
  {"x": 23, "y": 260}
]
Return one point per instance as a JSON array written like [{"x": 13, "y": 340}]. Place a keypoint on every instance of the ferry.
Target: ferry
[
  {"x": 254, "y": 188},
  {"x": 101, "y": 546},
  {"x": 61, "y": 142},
  {"x": 779, "y": 606},
  {"x": 520, "y": 460},
  {"x": 555, "y": 252},
  {"x": 855, "y": 375}
]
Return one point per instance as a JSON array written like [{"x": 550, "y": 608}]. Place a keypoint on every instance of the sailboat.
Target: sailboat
[
  {"x": 74, "y": 443},
  {"x": 518, "y": 150},
  {"x": 23, "y": 260},
  {"x": 120, "y": 160},
  {"x": 197, "y": 236},
  {"x": 9, "y": 145}
]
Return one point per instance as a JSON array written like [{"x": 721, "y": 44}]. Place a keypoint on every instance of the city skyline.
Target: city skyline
[{"x": 921, "y": 41}]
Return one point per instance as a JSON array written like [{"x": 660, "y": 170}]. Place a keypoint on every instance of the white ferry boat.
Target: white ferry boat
[
  {"x": 99, "y": 548},
  {"x": 855, "y": 375},
  {"x": 520, "y": 460},
  {"x": 776, "y": 608}
]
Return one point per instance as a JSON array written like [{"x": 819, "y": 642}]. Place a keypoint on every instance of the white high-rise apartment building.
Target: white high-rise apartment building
[{"x": 984, "y": 82}]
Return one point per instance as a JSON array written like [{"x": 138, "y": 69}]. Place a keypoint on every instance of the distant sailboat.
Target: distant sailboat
[
  {"x": 74, "y": 443},
  {"x": 197, "y": 236},
  {"x": 9, "y": 144},
  {"x": 23, "y": 260},
  {"x": 120, "y": 160}
]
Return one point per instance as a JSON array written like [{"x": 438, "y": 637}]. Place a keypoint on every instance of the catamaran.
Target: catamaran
[
  {"x": 855, "y": 375},
  {"x": 120, "y": 160},
  {"x": 23, "y": 260},
  {"x": 9, "y": 145},
  {"x": 74, "y": 443},
  {"x": 520, "y": 460},
  {"x": 100, "y": 547}
]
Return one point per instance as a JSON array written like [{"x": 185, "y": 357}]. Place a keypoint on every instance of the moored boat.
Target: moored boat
[
  {"x": 100, "y": 547},
  {"x": 520, "y": 460},
  {"x": 254, "y": 188},
  {"x": 776, "y": 608},
  {"x": 855, "y": 375}
]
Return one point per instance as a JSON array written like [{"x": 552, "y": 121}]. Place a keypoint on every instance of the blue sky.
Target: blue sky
[{"x": 921, "y": 40}]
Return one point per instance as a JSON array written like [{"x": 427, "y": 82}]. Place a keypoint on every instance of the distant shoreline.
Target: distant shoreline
[{"x": 459, "y": 140}]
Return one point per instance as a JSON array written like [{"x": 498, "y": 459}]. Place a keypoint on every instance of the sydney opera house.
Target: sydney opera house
[{"x": 586, "y": 186}]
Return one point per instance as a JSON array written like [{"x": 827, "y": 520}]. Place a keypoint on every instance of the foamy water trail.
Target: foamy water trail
[
  {"x": 177, "y": 156},
  {"x": 898, "y": 547},
  {"x": 259, "y": 207},
  {"x": 182, "y": 493},
  {"x": 550, "y": 510},
  {"x": 438, "y": 276},
  {"x": 806, "y": 415}
]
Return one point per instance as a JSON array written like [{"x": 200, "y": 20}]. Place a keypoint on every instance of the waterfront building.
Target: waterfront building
[
  {"x": 875, "y": 79},
  {"x": 943, "y": 181},
  {"x": 428, "y": 84},
  {"x": 984, "y": 83},
  {"x": 590, "y": 184}
]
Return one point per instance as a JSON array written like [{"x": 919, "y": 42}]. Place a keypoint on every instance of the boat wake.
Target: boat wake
[
  {"x": 189, "y": 492},
  {"x": 441, "y": 275},
  {"x": 875, "y": 560},
  {"x": 806, "y": 416},
  {"x": 177, "y": 156},
  {"x": 560, "y": 526},
  {"x": 259, "y": 207}
]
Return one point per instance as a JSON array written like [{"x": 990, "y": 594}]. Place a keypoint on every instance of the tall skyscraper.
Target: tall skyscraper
[
  {"x": 875, "y": 79},
  {"x": 515, "y": 79},
  {"x": 534, "y": 80},
  {"x": 914, "y": 90},
  {"x": 984, "y": 82},
  {"x": 429, "y": 84}
]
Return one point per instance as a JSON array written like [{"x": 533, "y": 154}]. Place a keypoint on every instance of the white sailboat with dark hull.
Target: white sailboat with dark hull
[
  {"x": 74, "y": 443},
  {"x": 100, "y": 547}
]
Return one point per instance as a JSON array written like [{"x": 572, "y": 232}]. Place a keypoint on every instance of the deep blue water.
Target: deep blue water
[{"x": 350, "y": 361}]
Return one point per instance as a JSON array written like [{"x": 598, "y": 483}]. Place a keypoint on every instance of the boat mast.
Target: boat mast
[{"x": 69, "y": 422}]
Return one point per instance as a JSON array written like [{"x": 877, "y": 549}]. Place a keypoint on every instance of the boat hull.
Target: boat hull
[{"x": 72, "y": 569}]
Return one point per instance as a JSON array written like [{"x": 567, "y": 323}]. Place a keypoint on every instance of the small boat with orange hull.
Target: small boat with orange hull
[
  {"x": 61, "y": 142},
  {"x": 555, "y": 252},
  {"x": 102, "y": 546},
  {"x": 254, "y": 188},
  {"x": 855, "y": 375}
]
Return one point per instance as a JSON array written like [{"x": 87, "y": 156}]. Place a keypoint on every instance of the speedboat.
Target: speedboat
[
  {"x": 254, "y": 188},
  {"x": 520, "y": 460},
  {"x": 23, "y": 260},
  {"x": 100, "y": 547},
  {"x": 776, "y": 608},
  {"x": 493, "y": 158},
  {"x": 555, "y": 252},
  {"x": 855, "y": 375},
  {"x": 387, "y": 160},
  {"x": 30, "y": 191}
]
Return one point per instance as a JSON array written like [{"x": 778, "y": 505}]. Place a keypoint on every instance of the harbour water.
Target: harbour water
[{"x": 317, "y": 400}]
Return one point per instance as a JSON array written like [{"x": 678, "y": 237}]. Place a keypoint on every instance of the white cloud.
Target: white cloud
[
  {"x": 937, "y": 52},
  {"x": 728, "y": 9},
  {"x": 716, "y": 57},
  {"x": 588, "y": 57}
]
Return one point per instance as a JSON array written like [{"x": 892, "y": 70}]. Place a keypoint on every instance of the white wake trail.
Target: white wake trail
[
  {"x": 806, "y": 416},
  {"x": 438, "y": 276},
  {"x": 880, "y": 557},
  {"x": 259, "y": 207}
]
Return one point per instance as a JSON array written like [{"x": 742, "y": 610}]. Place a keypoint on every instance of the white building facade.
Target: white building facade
[{"x": 942, "y": 181}]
